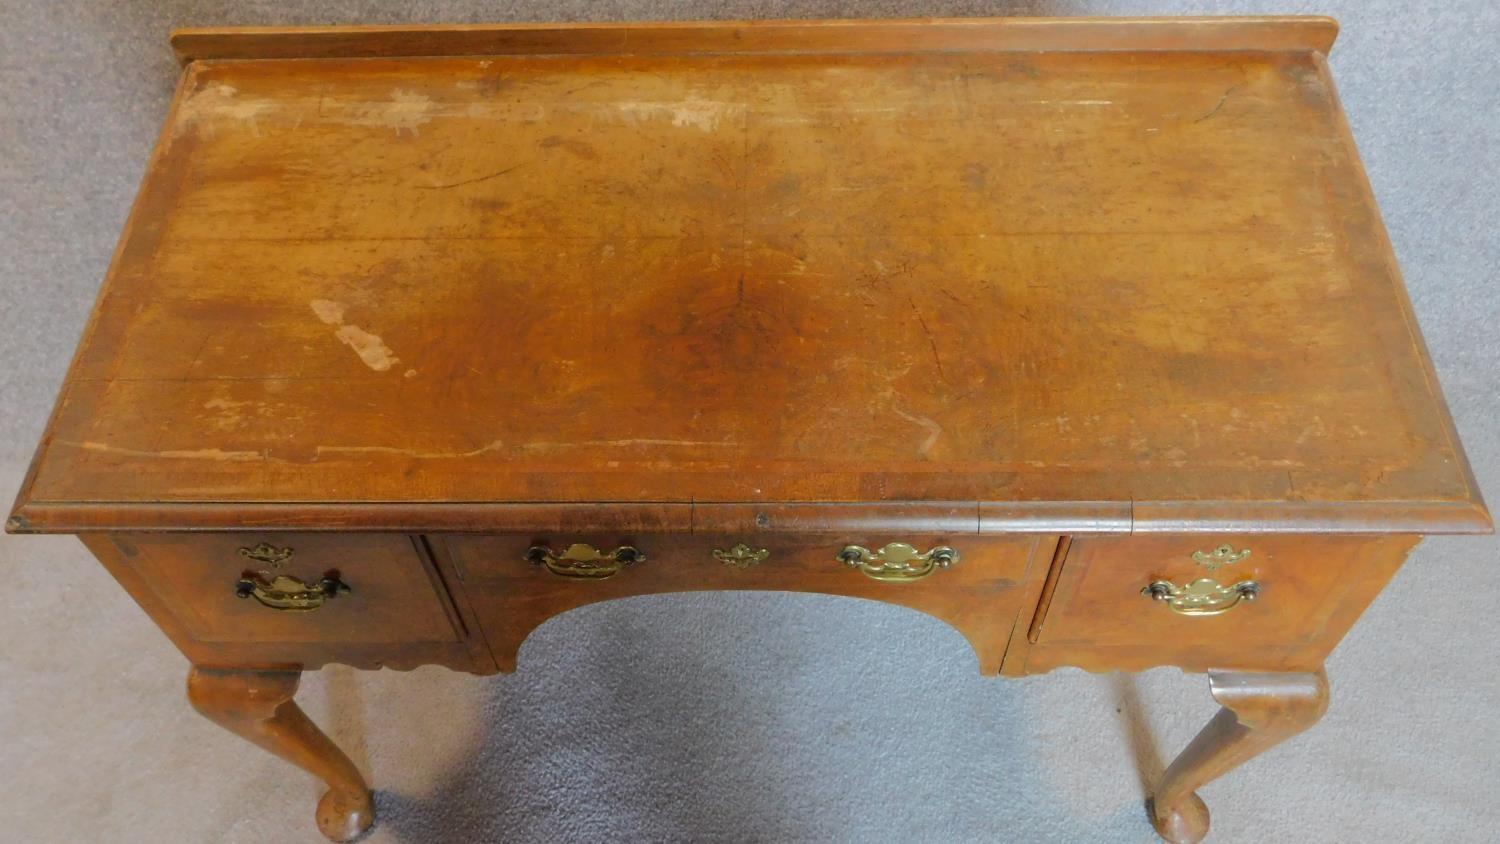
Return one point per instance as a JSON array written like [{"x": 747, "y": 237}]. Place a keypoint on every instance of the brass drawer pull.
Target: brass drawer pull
[
  {"x": 897, "y": 562},
  {"x": 287, "y": 593},
  {"x": 584, "y": 562},
  {"x": 1202, "y": 597},
  {"x": 283, "y": 591},
  {"x": 741, "y": 556}
]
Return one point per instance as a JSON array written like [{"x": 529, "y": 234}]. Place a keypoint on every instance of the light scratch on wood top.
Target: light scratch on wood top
[
  {"x": 933, "y": 428},
  {"x": 540, "y": 446},
  {"x": 192, "y": 454}
]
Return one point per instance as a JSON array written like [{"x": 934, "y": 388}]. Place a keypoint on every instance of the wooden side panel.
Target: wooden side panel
[{"x": 1312, "y": 589}]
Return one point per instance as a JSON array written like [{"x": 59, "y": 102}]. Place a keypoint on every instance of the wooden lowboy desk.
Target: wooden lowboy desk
[{"x": 1083, "y": 336}]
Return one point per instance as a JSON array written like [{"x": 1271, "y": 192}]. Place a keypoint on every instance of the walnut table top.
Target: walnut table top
[{"x": 1083, "y": 336}]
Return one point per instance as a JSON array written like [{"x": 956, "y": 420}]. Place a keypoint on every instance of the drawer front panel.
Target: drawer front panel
[
  {"x": 728, "y": 562},
  {"x": 204, "y": 580},
  {"x": 979, "y": 594},
  {"x": 1219, "y": 600}
]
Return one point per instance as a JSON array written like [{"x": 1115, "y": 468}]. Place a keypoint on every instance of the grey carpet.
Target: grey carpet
[{"x": 748, "y": 717}]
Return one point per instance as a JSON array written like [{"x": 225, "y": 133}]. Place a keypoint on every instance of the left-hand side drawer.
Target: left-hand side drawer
[{"x": 294, "y": 587}]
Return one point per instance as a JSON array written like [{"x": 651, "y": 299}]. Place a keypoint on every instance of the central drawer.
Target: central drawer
[{"x": 516, "y": 582}]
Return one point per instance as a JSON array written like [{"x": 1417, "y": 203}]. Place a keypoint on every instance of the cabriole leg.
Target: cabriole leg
[
  {"x": 1259, "y": 711},
  {"x": 258, "y": 706}
]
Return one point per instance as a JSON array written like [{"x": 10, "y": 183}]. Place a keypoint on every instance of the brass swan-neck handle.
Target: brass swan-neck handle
[{"x": 898, "y": 562}]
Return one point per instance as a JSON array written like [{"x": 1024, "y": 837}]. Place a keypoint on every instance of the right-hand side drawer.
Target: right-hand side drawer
[{"x": 1210, "y": 601}]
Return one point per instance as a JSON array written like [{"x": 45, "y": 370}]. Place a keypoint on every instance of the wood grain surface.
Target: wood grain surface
[{"x": 1152, "y": 279}]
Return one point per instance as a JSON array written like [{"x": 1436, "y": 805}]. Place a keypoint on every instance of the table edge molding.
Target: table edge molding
[
  {"x": 904, "y": 35},
  {"x": 752, "y": 518}
]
